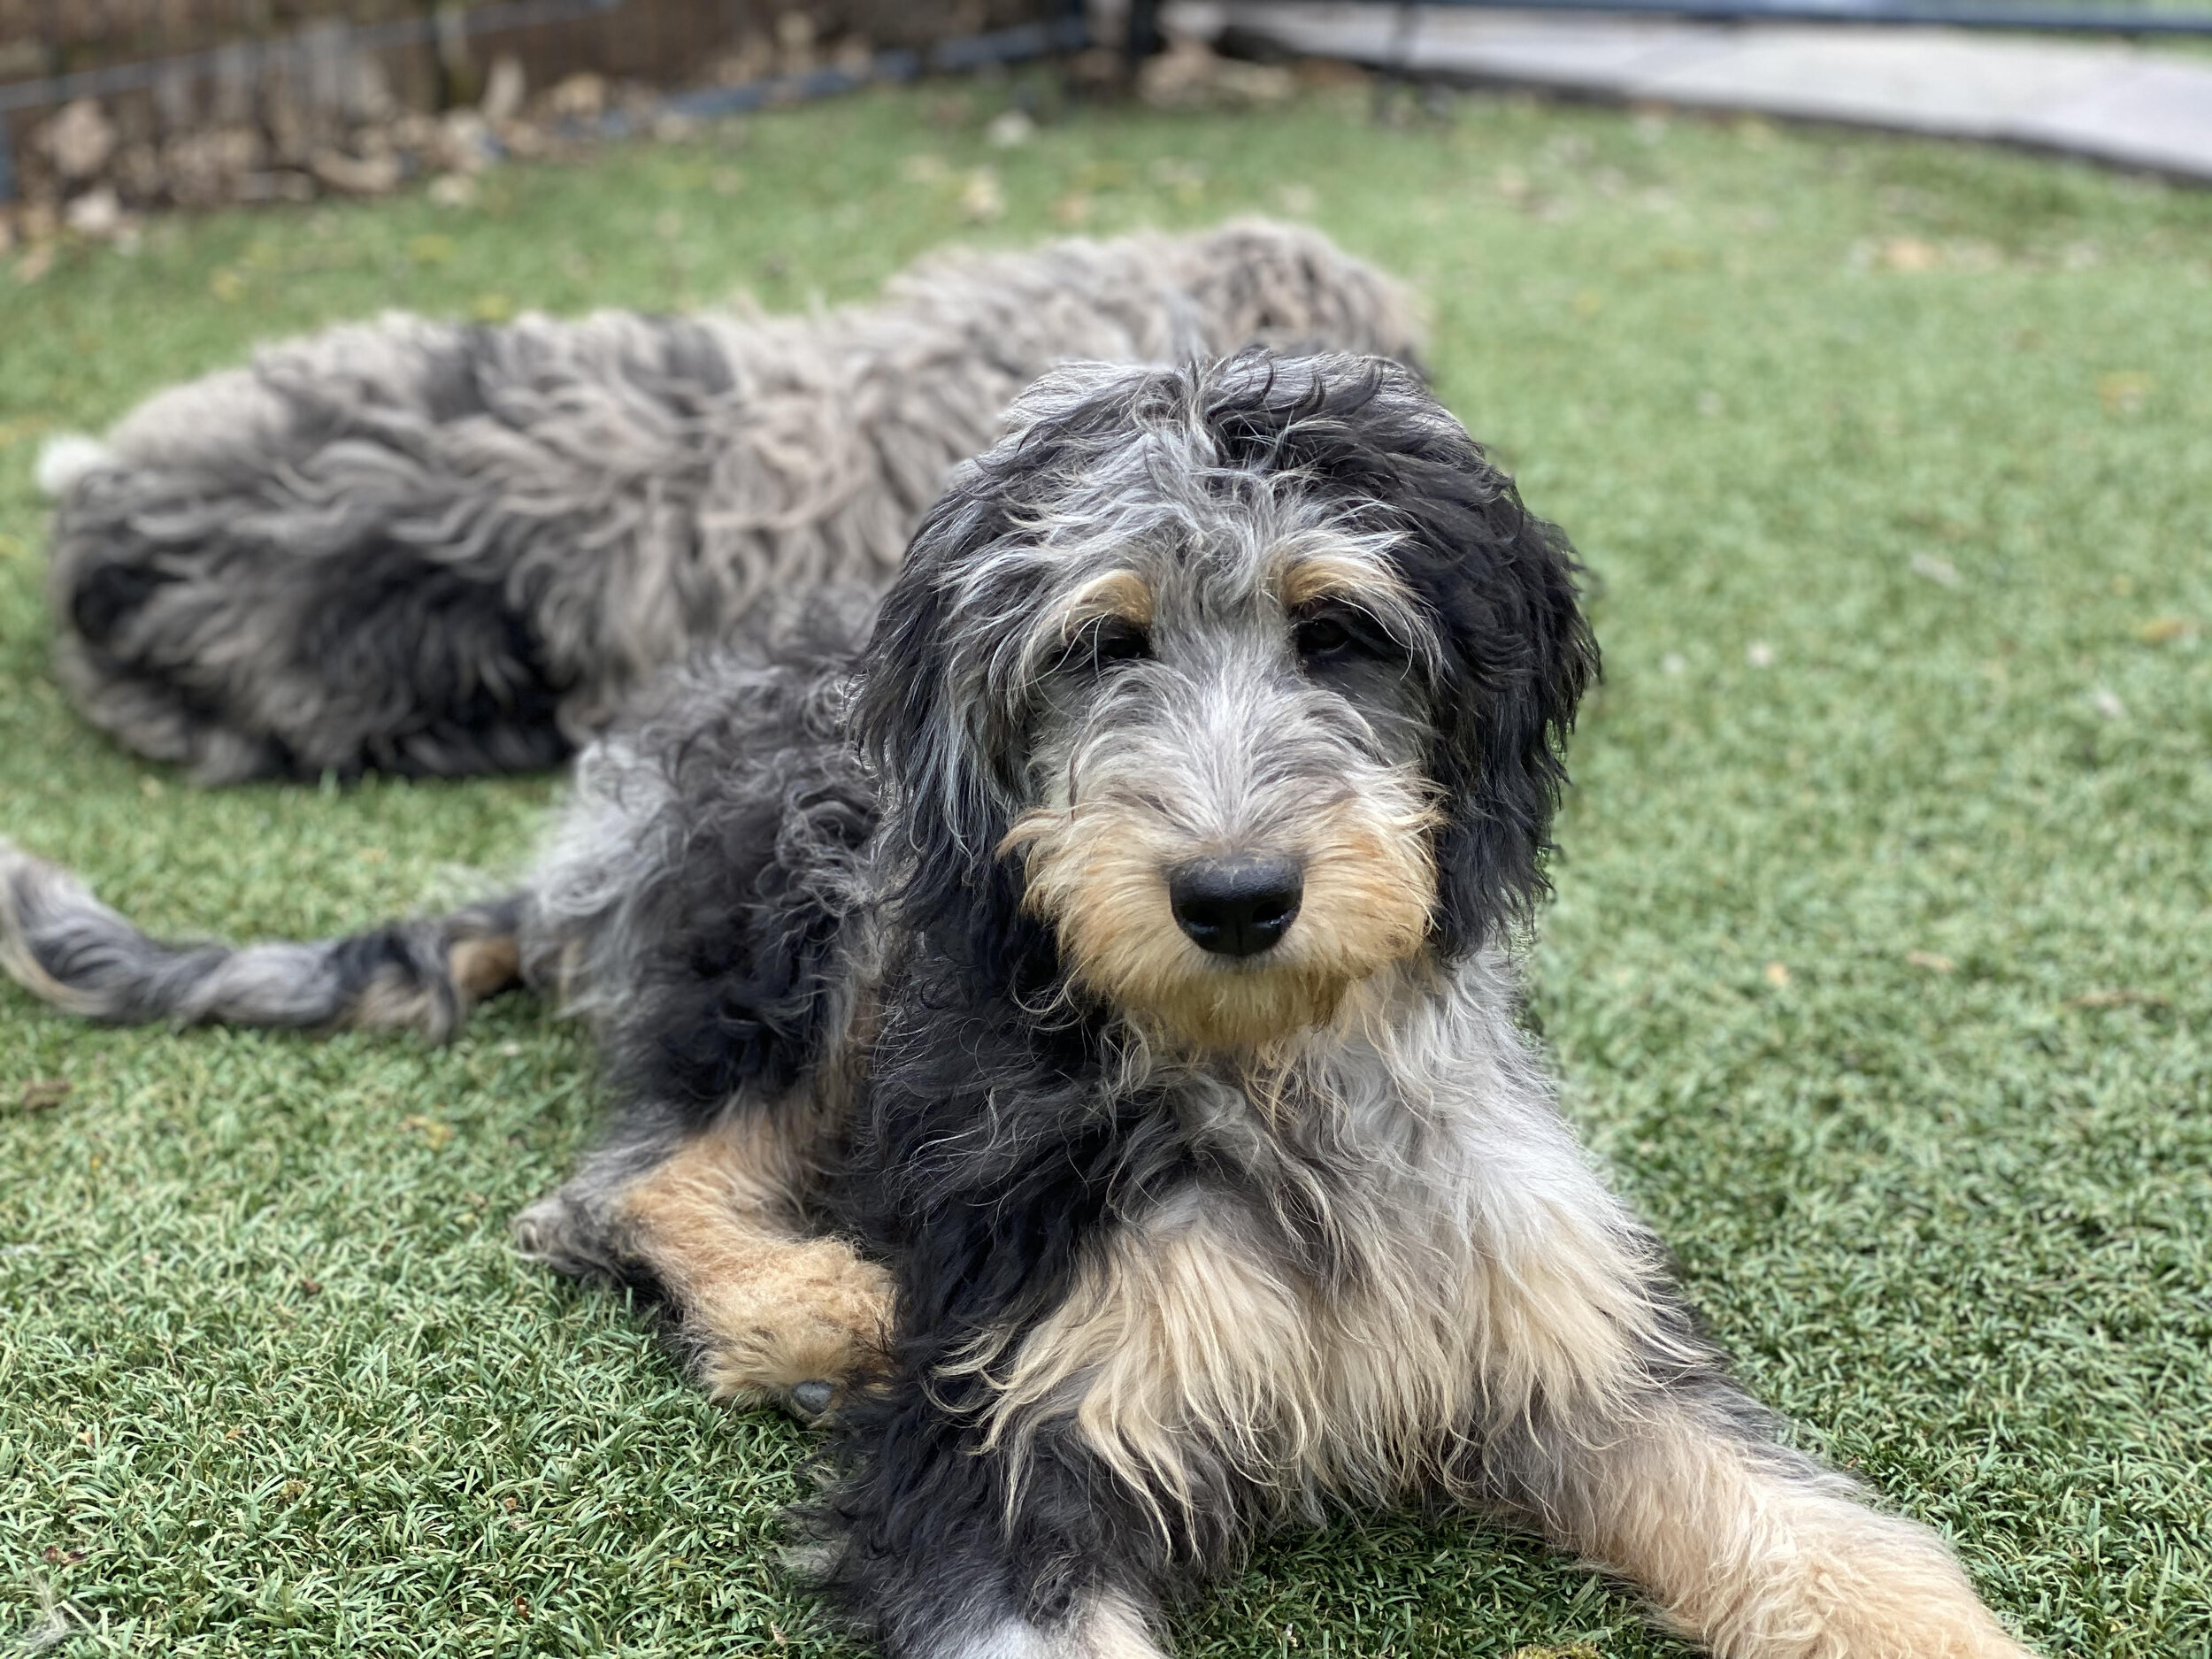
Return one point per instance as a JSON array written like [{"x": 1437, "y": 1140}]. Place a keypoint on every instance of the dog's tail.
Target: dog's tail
[{"x": 62, "y": 945}]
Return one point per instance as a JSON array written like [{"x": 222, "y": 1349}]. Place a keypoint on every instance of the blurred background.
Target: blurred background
[
  {"x": 110, "y": 106},
  {"x": 197, "y": 102}
]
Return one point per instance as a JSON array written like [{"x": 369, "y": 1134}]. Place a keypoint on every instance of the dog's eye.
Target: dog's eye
[
  {"x": 1323, "y": 636},
  {"x": 1108, "y": 641},
  {"x": 1336, "y": 635}
]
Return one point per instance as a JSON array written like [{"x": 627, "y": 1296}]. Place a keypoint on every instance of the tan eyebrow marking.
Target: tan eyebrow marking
[
  {"x": 1121, "y": 593},
  {"x": 1302, "y": 578}
]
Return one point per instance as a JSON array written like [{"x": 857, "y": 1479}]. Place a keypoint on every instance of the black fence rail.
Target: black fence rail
[{"x": 2018, "y": 15}]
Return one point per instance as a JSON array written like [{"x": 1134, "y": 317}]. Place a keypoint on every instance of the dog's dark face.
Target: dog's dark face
[{"x": 1246, "y": 681}]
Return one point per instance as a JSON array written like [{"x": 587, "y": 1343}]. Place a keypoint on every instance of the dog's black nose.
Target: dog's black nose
[{"x": 1236, "y": 907}]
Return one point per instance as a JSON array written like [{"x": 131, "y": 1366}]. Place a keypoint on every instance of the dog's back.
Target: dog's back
[{"x": 429, "y": 548}]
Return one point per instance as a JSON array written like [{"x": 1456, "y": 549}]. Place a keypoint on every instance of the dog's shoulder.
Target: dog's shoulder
[{"x": 710, "y": 868}]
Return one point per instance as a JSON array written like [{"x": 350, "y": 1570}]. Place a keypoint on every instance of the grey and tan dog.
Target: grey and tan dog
[
  {"x": 1065, "y": 1026},
  {"x": 429, "y": 548}
]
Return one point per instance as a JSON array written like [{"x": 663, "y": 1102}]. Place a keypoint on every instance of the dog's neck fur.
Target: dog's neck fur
[{"x": 1408, "y": 1169}]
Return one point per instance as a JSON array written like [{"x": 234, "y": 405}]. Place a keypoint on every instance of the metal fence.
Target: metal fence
[{"x": 2100, "y": 17}]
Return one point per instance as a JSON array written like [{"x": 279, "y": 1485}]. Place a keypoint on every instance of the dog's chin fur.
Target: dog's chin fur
[{"x": 1094, "y": 873}]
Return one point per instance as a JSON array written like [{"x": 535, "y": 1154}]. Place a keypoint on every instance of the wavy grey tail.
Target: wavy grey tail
[{"x": 64, "y": 946}]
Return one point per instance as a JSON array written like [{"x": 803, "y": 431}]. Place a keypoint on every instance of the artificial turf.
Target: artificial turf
[{"x": 1877, "y": 972}]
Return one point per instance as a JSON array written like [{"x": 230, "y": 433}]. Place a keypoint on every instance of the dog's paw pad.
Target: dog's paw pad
[{"x": 812, "y": 1399}]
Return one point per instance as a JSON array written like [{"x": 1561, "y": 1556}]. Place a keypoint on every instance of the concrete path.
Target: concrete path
[{"x": 2112, "y": 102}]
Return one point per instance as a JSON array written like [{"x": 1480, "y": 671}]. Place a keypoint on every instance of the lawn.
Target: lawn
[{"x": 1879, "y": 971}]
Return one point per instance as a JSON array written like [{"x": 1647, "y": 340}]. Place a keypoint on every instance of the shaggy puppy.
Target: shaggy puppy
[
  {"x": 429, "y": 548},
  {"x": 1099, "y": 1084}
]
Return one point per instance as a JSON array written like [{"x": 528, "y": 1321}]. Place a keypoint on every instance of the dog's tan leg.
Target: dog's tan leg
[
  {"x": 768, "y": 1313},
  {"x": 773, "y": 1314},
  {"x": 1757, "y": 1553}
]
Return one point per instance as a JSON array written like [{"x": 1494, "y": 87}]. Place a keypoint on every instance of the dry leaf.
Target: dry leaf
[
  {"x": 2117, "y": 998},
  {"x": 357, "y": 175},
  {"x": 453, "y": 189},
  {"x": 1777, "y": 975},
  {"x": 580, "y": 97},
  {"x": 2165, "y": 630},
  {"x": 79, "y": 141},
  {"x": 1931, "y": 961},
  {"x": 1009, "y": 129},
  {"x": 981, "y": 196},
  {"x": 2122, "y": 391}
]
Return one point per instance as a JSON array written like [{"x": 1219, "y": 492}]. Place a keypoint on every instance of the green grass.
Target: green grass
[{"x": 272, "y": 1380}]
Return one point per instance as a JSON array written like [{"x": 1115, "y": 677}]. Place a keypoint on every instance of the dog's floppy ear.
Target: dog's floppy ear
[
  {"x": 1518, "y": 655},
  {"x": 942, "y": 707},
  {"x": 929, "y": 714}
]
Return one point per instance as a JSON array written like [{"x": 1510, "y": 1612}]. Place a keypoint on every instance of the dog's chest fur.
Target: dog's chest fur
[{"x": 1354, "y": 1281}]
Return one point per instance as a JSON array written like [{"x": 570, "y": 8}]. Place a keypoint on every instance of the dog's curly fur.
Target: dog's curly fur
[
  {"x": 1116, "y": 1214},
  {"x": 424, "y": 547}
]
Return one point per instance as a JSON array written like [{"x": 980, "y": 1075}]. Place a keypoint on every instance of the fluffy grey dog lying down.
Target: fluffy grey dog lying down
[{"x": 432, "y": 547}]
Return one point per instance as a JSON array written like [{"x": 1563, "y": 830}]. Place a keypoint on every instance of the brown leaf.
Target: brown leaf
[
  {"x": 2165, "y": 630},
  {"x": 1777, "y": 975},
  {"x": 2122, "y": 391},
  {"x": 42, "y": 1094},
  {"x": 356, "y": 175},
  {"x": 79, "y": 141},
  {"x": 1909, "y": 253},
  {"x": 1931, "y": 961},
  {"x": 2116, "y": 997}
]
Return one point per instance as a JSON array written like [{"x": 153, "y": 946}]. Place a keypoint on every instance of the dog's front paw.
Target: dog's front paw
[{"x": 799, "y": 1327}]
